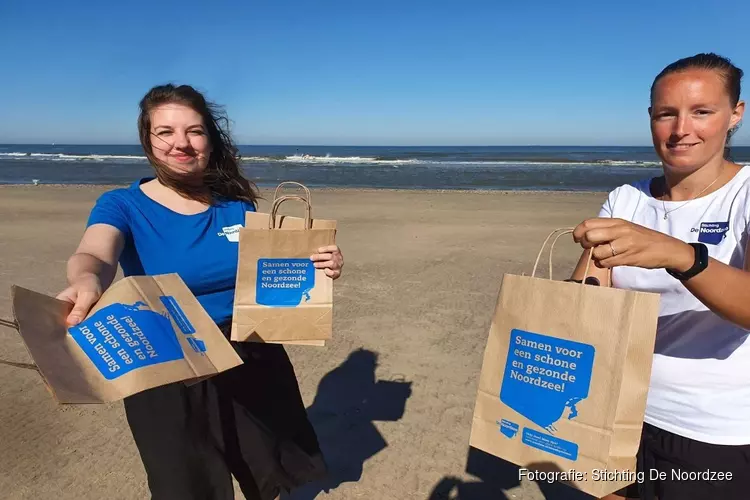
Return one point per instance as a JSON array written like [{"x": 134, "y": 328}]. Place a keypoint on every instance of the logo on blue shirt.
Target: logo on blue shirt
[
  {"x": 231, "y": 232},
  {"x": 712, "y": 233}
]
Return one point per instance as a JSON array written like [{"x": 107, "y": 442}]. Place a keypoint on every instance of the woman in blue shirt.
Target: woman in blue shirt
[{"x": 250, "y": 421}]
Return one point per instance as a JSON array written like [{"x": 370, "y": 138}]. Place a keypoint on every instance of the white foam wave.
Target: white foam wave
[
  {"x": 624, "y": 163},
  {"x": 364, "y": 160},
  {"x": 632, "y": 162},
  {"x": 344, "y": 160},
  {"x": 332, "y": 159},
  {"x": 507, "y": 162},
  {"x": 68, "y": 157}
]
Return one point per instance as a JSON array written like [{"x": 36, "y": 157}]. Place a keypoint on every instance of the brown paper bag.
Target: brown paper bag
[
  {"x": 144, "y": 332},
  {"x": 280, "y": 297},
  {"x": 564, "y": 379}
]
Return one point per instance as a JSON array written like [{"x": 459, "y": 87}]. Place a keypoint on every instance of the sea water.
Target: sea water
[{"x": 568, "y": 168}]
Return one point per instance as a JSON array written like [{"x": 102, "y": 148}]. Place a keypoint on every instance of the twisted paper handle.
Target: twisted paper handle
[
  {"x": 277, "y": 203},
  {"x": 9, "y": 323},
  {"x": 552, "y": 247},
  {"x": 292, "y": 183},
  {"x": 14, "y": 325}
]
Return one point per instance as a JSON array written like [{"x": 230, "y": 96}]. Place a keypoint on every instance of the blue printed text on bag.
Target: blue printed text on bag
[
  {"x": 120, "y": 338},
  {"x": 543, "y": 376},
  {"x": 284, "y": 282}
]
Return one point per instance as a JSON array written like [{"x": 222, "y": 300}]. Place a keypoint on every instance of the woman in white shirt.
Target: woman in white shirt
[{"x": 684, "y": 235}]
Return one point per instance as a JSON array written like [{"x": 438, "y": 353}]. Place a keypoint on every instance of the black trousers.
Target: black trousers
[
  {"x": 249, "y": 422},
  {"x": 671, "y": 465}
]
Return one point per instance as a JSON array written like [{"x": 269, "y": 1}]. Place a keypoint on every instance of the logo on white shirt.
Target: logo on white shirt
[
  {"x": 711, "y": 233},
  {"x": 231, "y": 232}
]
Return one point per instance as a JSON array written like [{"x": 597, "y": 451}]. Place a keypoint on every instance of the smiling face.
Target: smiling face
[
  {"x": 691, "y": 114},
  {"x": 179, "y": 138}
]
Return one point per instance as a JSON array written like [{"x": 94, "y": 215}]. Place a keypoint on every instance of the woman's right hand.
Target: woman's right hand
[{"x": 83, "y": 293}]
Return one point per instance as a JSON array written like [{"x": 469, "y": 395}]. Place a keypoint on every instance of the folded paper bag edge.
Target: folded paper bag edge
[
  {"x": 162, "y": 281},
  {"x": 229, "y": 356},
  {"x": 65, "y": 397},
  {"x": 245, "y": 329},
  {"x": 71, "y": 397}
]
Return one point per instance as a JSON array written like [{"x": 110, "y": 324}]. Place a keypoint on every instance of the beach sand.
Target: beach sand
[{"x": 414, "y": 305}]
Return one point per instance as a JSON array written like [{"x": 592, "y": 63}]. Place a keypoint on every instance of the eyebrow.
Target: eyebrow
[
  {"x": 169, "y": 127},
  {"x": 696, "y": 106}
]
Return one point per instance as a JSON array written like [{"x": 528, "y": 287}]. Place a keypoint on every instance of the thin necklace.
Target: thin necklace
[{"x": 664, "y": 204}]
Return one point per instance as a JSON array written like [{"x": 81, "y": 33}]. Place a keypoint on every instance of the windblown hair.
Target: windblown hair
[
  {"x": 222, "y": 177},
  {"x": 731, "y": 74}
]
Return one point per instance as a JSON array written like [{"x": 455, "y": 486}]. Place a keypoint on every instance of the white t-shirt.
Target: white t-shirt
[{"x": 700, "y": 379}]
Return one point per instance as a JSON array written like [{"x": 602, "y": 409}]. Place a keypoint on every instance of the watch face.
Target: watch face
[
  {"x": 701, "y": 260},
  {"x": 699, "y": 264},
  {"x": 703, "y": 256}
]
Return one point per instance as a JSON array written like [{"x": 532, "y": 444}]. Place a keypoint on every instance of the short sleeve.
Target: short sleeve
[
  {"x": 110, "y": 209},
  {"x": 608, "y": 206},
  {"x": 249, "y": 207}
]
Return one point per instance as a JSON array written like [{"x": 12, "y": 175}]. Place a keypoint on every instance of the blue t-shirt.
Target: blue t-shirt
[{"x": 201, "y": 248}]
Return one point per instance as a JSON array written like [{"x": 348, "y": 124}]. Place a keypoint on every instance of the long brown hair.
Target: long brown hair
[{"x": 223, "y": 177}]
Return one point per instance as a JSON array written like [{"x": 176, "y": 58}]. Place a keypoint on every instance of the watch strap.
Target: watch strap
[{"x": 700, "y": 263}]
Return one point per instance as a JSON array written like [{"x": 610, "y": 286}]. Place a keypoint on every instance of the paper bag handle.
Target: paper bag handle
[
  {"x": 28, "y": 366},
  {"x": 9, "y": 323},
  {"x": 307, "y": 191},
  {"x": 277, "y": 203},
  {"x": 552, "y": 247}
]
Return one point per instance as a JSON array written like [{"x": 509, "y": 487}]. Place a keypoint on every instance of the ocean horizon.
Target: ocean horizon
[{"x": 555, "y": 168}]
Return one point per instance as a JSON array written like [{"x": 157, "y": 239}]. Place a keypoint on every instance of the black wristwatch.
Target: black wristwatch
[{"x": 701, "y": 263}]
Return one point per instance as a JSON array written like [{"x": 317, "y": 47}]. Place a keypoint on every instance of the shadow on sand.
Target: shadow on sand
[
  {"x": 496, "y": 475},
  {"x": 348, "y": 401}
]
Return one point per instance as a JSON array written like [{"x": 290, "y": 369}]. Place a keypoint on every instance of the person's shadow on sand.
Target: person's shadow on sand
[
  {"x": 496, "y": 475},
  {"x": 348, "y": 401}
]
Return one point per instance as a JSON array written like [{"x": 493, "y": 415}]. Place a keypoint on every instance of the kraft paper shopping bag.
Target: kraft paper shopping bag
[
  {"x": 565, "y": 377},
  {"x": 280, "y": 297},
  {"x": 144, "y": 332}
]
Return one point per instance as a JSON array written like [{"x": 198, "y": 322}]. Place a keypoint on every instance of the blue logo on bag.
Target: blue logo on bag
[
  {"x": 120, "y": 338},
  {"x": 712, "y": 233},
  {"x": 284, "y": 282},
  {"x": 508, "y": 428},
  {"x": 178, "y": 315},
  {"x": 545, "y": 375}
]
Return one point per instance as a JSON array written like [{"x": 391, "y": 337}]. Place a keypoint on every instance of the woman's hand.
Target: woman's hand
[
  {"x": 83, "y": 294},
  {"x": 330, "y": 260},
  {"x": 618, "y": 242}
]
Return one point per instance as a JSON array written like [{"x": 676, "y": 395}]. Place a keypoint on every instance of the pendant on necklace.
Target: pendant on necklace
[{"x": 665, "y": 216}]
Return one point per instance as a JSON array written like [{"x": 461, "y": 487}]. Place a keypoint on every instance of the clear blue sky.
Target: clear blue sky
[{"x": 390, "y": 72}]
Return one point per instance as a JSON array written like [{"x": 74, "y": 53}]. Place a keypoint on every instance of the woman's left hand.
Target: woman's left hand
[
  {"x": 330, "y": 259},
  {"x": 618, "y": 242}
]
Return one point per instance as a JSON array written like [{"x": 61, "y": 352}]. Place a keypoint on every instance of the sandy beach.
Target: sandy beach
[{"x": 412, "y": 309}]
